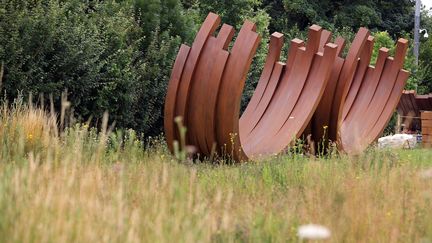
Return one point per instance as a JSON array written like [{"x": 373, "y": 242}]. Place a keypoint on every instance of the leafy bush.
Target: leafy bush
[{"x": 105, "y": 53}]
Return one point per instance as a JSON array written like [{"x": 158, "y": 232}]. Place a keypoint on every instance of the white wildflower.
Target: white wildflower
[{"x": 313, "y": 232}]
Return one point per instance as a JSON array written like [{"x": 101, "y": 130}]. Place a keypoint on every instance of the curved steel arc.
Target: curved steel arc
[
  {"x": 316, "y": 88},
  {"x": 265, "y": 86},
  {"x": 171, "y": 96},
  {"x": 286, "y": 97},
  {"x": 374, "y": 110}
]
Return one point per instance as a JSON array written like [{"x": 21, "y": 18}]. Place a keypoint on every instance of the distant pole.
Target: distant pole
[{"x": 417, "y": 31}]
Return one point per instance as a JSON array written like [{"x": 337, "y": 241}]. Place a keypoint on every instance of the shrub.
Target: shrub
[{"x": 104, "y": 53}]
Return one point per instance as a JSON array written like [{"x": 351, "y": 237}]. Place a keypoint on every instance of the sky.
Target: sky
[{"x": 428, "y": 3}]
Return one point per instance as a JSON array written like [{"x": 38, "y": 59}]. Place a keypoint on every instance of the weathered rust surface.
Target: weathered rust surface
[
  {"x": 268, "y": 135},
  {"x": 376, "y": 100},
  {"x": 413, "y": 104},
  {"x": 410, "y": 106},
  {"x": 316, "y": 91},
  {"x": 209, "y": 26},
  {"x": 266, "y": 86},
  {"x": 171, "y": 97},
  {"x": 426, "y": 120},
  {"x": 360, "y": 113}
]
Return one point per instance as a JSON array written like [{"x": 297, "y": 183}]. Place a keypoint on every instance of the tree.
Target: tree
[
  {"x": 165, "y": 26},
  {"x": 110, "y": 55},
  {"x": 396, "y": 17},
  {"x": 50, "y": 46},
  {"x": 425, "y": 66}
]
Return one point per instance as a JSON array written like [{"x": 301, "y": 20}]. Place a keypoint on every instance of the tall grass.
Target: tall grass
[{"x": 88, "y": 185}]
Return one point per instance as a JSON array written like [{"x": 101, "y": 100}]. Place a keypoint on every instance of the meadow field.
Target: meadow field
[{"x": 88, "y": 185}]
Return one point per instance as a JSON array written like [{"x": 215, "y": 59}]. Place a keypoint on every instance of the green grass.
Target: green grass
[{"x": 86, "y": 186}]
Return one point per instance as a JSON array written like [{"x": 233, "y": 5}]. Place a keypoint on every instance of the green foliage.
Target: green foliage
[
  {"x": 165, "y": 26},
  {"x": 382, "y": 40},
  {"x": 425, "y": 68},
  {"x": 235, "y": 12},
  {"x": 394, "y": 16},
  {"x": 424, "y": 73},
  {"x": 50, "y": 46},
  {"x": 110, "y": 56}
]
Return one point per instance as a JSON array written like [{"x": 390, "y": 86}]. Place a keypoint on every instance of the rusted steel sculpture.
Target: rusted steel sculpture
[
  {"x": 207, "y": 82},
  {"x": 426, "y": 120},
  {"x": 365, "y": 97},
  {"x": 410, "y": 106},
  {"x": 412, "y": 103}
]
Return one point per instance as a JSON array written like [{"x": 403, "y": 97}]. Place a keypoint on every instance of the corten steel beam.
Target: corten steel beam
[
  {"x": 301, "y": 87},
  {"x": 376, "y": 101},
  {"x": 171, "y": 96},
  {"x": 426, "y": 120},
  {"x": 359, "y": 116},
  {"x": 411, "y": 105},
  {"x": 207, "y": 82}
]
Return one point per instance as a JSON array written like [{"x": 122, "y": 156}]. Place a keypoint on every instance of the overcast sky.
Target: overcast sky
[{"x": 428, "y": 3}]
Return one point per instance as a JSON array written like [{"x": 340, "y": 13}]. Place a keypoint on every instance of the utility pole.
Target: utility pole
[{"x": 417, "y": 32}]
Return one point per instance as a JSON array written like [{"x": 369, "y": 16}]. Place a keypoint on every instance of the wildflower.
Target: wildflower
[
  {"x": 313, "y": 232},
  {"x": 178, "y": 119},
  {"x": 117, "y": 167},
  {"x": 190, "y": 150},
  {"x": 427, "y": 174},
  {"x": 29, "y": 136}
]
